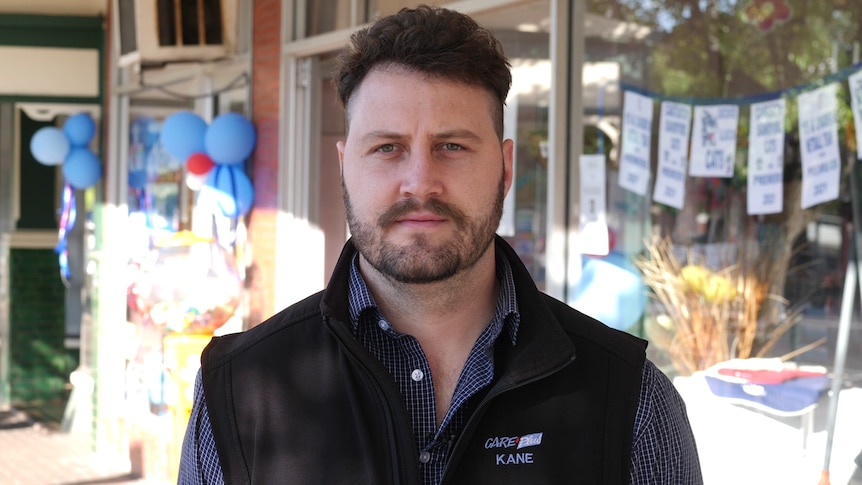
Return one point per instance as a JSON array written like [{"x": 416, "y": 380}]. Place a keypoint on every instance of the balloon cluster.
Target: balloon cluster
[
  {"x": 214, "y": 156},
  {"x": 70, "y": 146}
]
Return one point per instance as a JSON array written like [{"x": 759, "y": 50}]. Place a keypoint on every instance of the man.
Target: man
[{"x": 431, "y": 357}]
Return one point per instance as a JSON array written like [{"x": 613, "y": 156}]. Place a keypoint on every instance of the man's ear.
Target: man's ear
[
  {"x": 508, "y": 162},
  {"x": 339, "y": 145}
]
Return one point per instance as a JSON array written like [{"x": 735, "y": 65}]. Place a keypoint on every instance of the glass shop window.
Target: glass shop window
[{"x": 728, "y": 135}]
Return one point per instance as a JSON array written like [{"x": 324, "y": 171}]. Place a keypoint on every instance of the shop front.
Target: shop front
[
  {"x": 641, "y": 131},
  {"x": 682, "y": 170},
  {"x": 682, "y": 173},
  {"x": 172, "y": 234},
  {"x": 731, "y": 153},
  {"x": 44, "y": 230}
]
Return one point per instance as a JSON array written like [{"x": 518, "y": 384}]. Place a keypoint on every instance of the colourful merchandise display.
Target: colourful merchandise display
[{"x": 188, "y": 285}]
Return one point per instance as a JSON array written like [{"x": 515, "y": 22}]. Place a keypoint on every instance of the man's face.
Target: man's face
[{"x": 424, "y": 174}]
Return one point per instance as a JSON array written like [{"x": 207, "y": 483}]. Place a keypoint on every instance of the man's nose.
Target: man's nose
[{"x": 422, "y": 175}]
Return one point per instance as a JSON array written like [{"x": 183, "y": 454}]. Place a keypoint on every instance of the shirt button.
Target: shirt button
[
  {"x": 424, "y": 457},
  {"x": 383, "y": 325},
  {"x": 417, "y": 375}
]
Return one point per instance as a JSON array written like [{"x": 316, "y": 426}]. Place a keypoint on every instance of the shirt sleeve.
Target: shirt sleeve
[
  {"x": 199, "y": 462},
  {"x": 663, "y": 446}
]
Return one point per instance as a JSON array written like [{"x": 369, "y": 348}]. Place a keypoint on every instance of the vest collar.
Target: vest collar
[{"x": 542, "y": 345}]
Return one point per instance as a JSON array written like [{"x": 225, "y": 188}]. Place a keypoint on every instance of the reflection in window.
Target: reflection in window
[
  {"x": 524, "y": 34},
  {"x": 155, "y": 181},
  {"x": 709, "y": 53}
]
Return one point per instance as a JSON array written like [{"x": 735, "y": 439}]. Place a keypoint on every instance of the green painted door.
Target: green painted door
[{"x": 39, "y": 362}]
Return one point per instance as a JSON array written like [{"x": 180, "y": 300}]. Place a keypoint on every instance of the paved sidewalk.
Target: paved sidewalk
[
  {"x": 742, "y": 446},
  {"x": 34, "y": 454}
]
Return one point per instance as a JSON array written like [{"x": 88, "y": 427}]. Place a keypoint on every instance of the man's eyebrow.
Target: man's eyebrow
[
  {"x": 377, "y": 135},
  {"x": 457, "y": 134}
]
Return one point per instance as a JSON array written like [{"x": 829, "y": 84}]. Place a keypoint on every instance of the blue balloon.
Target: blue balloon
[
  {"x": 183, "y": 134},
  {"x": 49, "y": 145},
  {"x": 82, "y": 168},
  {"x": 611, "y": 290},
  {"x": 230, "y": 139},
  {"x": 79, "y": 129},
  {"x": 227, "y": 191}
]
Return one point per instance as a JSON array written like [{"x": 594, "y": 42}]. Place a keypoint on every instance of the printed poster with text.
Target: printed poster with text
[
  {"x": 855, "y": 84},
  {"x": 766, "y": 158},
  {"x": 713, "y": 141},
  {"x": 818, "y": 142},
  {"x": 637, "y": 138},
  {"x": 593, "y": 238},
  {"x": 674, "y": 127}
]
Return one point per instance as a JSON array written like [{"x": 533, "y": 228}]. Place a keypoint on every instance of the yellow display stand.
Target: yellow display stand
[{"x": 182, "y": 354}]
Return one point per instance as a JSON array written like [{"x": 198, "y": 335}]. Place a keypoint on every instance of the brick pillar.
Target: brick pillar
[{"x": 265, "y": 103}]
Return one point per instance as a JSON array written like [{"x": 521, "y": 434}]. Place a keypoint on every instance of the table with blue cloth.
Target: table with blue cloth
[{"x": 772, "y": 386}]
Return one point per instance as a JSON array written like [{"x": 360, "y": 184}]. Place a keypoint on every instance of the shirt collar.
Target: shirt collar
[{"x": 360, "y": 299}]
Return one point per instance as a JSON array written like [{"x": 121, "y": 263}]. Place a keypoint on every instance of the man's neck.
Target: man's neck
[{"x": 445, "y": 317}]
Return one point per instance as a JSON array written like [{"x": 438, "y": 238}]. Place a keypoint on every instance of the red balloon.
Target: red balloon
[{"x": 199, "y": 163}]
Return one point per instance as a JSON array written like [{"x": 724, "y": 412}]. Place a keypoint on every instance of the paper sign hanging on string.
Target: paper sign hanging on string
[
  {"x": 636, "y": 141},
  {"x": 766, "y": 158},
  {"x": 713, "y": 140},
  {"x": 593, "y": 237},
  {"x": 674, "y": 128},
  {"x": 818, "y": 142},
  {"x": 855, "y": 84}
]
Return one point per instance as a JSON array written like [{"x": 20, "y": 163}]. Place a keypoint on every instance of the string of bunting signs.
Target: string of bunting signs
[{"x": 698, "y": 138}]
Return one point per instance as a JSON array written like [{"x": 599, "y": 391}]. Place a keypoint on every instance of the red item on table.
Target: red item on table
[{"x": 763, "y": 376}]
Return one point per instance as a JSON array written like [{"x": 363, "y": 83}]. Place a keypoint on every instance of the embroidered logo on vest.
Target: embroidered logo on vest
[{"x": 517, "y": 442}]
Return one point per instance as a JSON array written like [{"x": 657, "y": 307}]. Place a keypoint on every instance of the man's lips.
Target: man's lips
[{"x": 420, "y": 220}]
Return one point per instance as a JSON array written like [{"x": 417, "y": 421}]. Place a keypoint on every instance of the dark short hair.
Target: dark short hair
[{"x": 434, "y": 41}]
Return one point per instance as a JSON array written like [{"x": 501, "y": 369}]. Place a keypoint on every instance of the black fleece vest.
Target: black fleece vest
[{"x": 297, "y": 400}]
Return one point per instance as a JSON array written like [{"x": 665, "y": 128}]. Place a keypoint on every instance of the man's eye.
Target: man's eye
[
  {"x": 386, "y": 148},
  {"x": 452, "y": 147}
]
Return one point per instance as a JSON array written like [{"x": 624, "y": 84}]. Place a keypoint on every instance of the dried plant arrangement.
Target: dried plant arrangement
[{"x": 709, "y": 315}]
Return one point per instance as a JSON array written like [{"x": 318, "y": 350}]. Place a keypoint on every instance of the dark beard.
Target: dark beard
[{"x": 420, "y": 262}]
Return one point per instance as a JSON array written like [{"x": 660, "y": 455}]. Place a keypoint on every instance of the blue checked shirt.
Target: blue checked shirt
[{"x": 663, "y": 449}]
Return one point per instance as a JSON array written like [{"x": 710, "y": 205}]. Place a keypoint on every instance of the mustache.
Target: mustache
[{"x": 433, "y": 206}]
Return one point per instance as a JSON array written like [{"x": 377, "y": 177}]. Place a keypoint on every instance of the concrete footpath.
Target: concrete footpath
[
  {"x": 34, "y": 454},
  {"x": 739, "y": 445}
]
